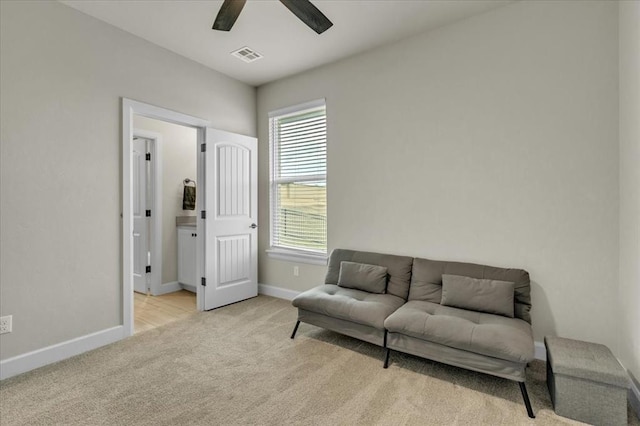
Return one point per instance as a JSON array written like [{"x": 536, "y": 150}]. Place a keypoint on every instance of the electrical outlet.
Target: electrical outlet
[
  {"x": 5, "y": 324},
  {"x": 296, "y": 271}
]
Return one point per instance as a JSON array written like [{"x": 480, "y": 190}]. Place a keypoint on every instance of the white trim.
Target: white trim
[
  {"x": 540, "y": 351},
  {"x": 298, "y": 108},
  {"x": 188, "y": 287},
  {"x": 31, "y": 360},
  {"x": 170, "y": 287},
  {"x": 201, "y": 229},
  {"x": 130, "y": 107},
  {"x": 127, "y": 218},
  {"x": 279, "y": 292},
  {"x": 299, "y": 257},
  {"x": 200, "y": 223},
  {"x": 156, "y": 209}
]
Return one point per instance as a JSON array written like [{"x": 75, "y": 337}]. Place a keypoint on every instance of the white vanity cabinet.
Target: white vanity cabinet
[{"x": 187, "y": 275}]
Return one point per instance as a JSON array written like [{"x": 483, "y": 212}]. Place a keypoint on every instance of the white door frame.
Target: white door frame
[
  {"x": 129, "y": 108},
  {"x": 155, "y": 243}
]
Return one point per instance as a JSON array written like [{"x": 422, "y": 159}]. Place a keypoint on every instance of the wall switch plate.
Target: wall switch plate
[
  {"x": 5, "y": 324},
  {"x": 296, "y": 271}
]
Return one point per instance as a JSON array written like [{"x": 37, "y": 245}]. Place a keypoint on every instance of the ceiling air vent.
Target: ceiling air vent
[{"x": 247, "y": 54}]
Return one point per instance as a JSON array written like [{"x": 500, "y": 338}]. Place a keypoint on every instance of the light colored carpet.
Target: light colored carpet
[{"x": 237, "y": 366}]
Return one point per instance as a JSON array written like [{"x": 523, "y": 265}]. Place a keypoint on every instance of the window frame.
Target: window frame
[{"x": 287, "y": 253}]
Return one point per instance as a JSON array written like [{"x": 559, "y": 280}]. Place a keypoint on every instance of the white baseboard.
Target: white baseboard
[
  {"x": 31, "y": 360},
  {"x": 279, "y": 292},
  {"x": 169, "y": 287},
  {"x": 191, "y": 288}
]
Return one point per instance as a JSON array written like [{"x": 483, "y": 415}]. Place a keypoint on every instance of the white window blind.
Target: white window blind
[{"x": 298, "y": 144}]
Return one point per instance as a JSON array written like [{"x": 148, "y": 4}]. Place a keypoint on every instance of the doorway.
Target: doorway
[
  {"x": 174, "y": 188},
  {"x": 164, "y": 157},
  {"x": 130, "y": 109},
  {"x": 226, "y": 211}
]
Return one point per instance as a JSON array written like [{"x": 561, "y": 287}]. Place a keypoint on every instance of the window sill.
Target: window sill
[{"x": 296, "y": 256}]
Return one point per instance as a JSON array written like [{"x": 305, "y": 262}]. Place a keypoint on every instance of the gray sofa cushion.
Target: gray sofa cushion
[
  {"x": 426, "y": 281},
  {"x": 348, "y": 304},
  {"x": 398, "y": 268},
  {"x": 496, "y": 336},
  {"x": 361, "y": 276},
  {"x": 490, "y": 296}
]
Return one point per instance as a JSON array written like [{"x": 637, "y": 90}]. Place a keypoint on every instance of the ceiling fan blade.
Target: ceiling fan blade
[
  {"x": 309, "y": 14},
  {"x": 228, "y": 14}
]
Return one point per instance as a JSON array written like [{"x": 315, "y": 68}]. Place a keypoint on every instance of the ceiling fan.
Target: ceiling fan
[{"x": 303, "y": 9}]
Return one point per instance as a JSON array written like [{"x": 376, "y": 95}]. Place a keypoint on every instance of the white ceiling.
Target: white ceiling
[{"x": 267, "y": 26}]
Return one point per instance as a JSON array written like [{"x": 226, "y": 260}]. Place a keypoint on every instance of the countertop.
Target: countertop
[{"x": 186, "y": 221}]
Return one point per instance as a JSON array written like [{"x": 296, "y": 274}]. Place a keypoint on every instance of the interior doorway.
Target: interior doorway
[
  {"x": 164, "y": 159},
  {"x": 130, "y": 110},
  {"x": 226, "y": 217},
  {"x": 174, "y": 188}
]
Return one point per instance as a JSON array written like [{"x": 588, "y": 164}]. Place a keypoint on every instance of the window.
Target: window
[{"x": 298, "y": 149}]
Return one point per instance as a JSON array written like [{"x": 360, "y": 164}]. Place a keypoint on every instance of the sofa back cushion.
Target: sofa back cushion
[
  {"x": 426, "y": 281},
  {"x": 361, "y": 276},
  {"x": 476, "y": 294},
  {"x": 398, "y": 268}
]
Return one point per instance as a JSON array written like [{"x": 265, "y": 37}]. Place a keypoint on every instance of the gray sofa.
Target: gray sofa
[{"x": 467, "y": 315}]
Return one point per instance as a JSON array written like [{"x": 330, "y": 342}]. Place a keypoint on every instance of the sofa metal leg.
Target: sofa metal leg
[
  {"x": 525, "y": 396},
  {"x": 387, "y": 350},
  {"x": 386, "y": 358},
  {"x": 295, "y": 329}
]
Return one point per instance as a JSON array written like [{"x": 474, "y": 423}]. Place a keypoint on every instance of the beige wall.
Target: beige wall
[
  {"x": 179, "y": 161},
  {"x": 62, "y": 76},
  {"x": 629, "y": 302},
  {"x": 492, "y": 140}
]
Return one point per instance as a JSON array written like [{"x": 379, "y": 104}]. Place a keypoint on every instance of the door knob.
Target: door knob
[{"x": 253, "y": 226}]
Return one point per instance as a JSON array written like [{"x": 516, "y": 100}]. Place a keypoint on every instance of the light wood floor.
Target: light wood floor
[{"x": 154, "y": 311}]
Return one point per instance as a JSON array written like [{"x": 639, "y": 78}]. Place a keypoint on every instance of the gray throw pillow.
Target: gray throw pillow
[
  {"x": 360, "y": 276},
  {"x": 491, "y": 296}
]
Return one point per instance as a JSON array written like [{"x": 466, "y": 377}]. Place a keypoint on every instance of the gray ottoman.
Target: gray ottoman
[{"x": 586, "y": 382}]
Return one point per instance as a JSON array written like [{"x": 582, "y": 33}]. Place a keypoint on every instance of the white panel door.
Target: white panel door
[
  {"x": 140, "y": 220},
  {"x": 231, "y": 195}
]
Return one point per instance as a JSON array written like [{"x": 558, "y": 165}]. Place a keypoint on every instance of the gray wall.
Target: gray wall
[
  {"x": 492, "y": 140},
  {"x": 179, "y": 158},
  {"x": 62, "y": 75},
  {"x": 630, "y": 187}
]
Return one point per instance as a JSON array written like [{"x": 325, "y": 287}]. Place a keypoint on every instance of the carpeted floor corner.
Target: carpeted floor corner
[{"x": 237, "y": 366}]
